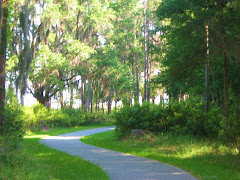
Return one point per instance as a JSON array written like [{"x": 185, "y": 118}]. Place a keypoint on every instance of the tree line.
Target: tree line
[{"x": 106, "y": 51}]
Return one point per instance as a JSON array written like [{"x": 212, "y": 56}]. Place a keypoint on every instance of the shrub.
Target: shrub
[
  {"x": 230, "y": 131},
  {"x": 13, "y": 126},
  {"x": 180, "y": 118},
  {"x": 39, "y": 116}
]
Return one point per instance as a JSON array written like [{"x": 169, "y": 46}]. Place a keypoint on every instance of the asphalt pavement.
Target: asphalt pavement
[{"x": 118, "y": 166}]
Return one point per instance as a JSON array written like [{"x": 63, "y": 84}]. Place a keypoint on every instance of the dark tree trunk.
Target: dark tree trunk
[
  {"x": 3, "y": 47},
  {"x": 61, "y": 99},
  {"x": 102, "y": 107},
  {"x": 90, "y": 98},
  {"x": 1, "y": 20},
  {"x": 109, "y": 102},
  {"x": 218, "y": 101},
  {"x": 99, "y": 99},
  {"x": 226, "y": 86},
  {"x": 116, "y": 97},
  {"x": 137, "y": 86},
  {"x": 207, "y": 87},
  {"x": 47, "y": 103},
  {"x": 207, "y": 75},
  {"x": 96, "y": 105}
]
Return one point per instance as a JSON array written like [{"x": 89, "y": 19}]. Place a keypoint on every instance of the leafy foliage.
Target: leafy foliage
[
  {"x": 39, "y": 117},
  {"x": 185, "y": 118}
]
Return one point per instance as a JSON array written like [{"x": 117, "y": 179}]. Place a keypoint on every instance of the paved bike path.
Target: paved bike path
[{"x": 118, "y": 166}]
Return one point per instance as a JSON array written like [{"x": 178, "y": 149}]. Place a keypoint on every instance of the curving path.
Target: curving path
[{"x": 119, "y": 166}]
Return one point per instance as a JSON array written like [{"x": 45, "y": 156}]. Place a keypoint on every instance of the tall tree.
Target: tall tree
[{"x": 3, "y": 48}]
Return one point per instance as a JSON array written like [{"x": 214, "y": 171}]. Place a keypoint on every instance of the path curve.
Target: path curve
[{"x": 118, "y": 166}]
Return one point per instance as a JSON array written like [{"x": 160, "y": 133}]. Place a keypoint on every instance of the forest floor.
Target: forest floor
[{"x": 117, "y": 165}]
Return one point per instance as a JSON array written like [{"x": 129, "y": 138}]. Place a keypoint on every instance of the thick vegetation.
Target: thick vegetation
[
  {"x": 182, "y": 118},
  {"x": 91, "y": 53}
]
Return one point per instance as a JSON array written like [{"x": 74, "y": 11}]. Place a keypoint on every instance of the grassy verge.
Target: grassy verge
[
  {"x": 35, "y": 161},
  {"x": 202, "y": 158}
]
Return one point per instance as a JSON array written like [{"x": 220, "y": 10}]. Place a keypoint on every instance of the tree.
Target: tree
[
  {"x": 3, "y": 48},
  {"x": 186, "y": 44}
]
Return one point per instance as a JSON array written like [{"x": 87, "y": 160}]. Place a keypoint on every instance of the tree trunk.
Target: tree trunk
[
  {"x": 1, "y": 20},
  {"x": 47, "y": 103},
  {"x": 207, "y": 75},
  {"x": 96, "y": 105},
  {"x": 145, "y": 53},
  {"x": 116, "y": 97},
  {"x": 109, "y": 102},
  {"x": 71, "y": 97},
  {"x": 90, "y": 98},
  {"x": 218, "y": 101},
  {"x": 207, "y": 87},
  {"x": 3, "y": 47},
  {"x": 102, "y": 106},
  {"x": 83, "y": 94},
  {"x": 148, "y": 66},
  {"x": 226, "y": 85},
  {"x": 61, "y": 99},
  {"x": 99, "y": 99}
]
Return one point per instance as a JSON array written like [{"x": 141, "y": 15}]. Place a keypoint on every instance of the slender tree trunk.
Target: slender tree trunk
[
  {"x": 137, "y": 72},
  {"x": 137, "y": 85},
  {"x": 109, "y": 102},
  {"x": 102, "y": 106},
  {"x": 145, "y": 54},
  {"x": 116, "y": 97},
  {"x": 90, "y": 98},
  {"x": 91, "y": 102},
  {"x": 71, "y": 96},
  {"x": 226, "y": 86},
  {"x": 61, "y": 99},
  {"x": 207, "y": 74},
  {"x": 148, "y": 65},
  {"x": 3, "y": 47},
  {"x": 99, "y": 99},
  {"x": 218, "y": 102},
  {"x": 1, "y": 20},
  {"x": 83, "y": 93},
  {"x": 96, "y": 105}
]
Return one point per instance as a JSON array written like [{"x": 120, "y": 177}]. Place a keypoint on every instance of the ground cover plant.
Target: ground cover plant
[
  {"x": 203, "y": 158},
  {"x": 31, "y": 160}
]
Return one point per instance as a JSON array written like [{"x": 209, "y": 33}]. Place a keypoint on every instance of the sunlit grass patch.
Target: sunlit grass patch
[
  {"x": 201, "y": 157},
  {"x": 38, "y": 162}
]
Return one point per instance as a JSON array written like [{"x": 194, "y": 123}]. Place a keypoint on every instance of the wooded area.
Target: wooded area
[
  {"x": 170, "y": 68},
  {"x": 105, "y": 51}
]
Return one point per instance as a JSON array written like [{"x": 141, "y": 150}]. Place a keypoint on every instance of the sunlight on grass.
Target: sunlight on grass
[
  {"x": 37, "y": 161},
  {"x": 202, "y": 158}
]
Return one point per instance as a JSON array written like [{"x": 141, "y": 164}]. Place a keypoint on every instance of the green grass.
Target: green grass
[
  {"x": 36, "y": 161},
  {"x": 202, "y": 158}
]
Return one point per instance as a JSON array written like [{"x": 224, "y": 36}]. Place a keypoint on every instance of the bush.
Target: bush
[
  {"x": 13, "y": 126},
  {"x": 181, "y": 118},
  {"x": 230, "y": 131},
  {"x": 39, "y": 116}
]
